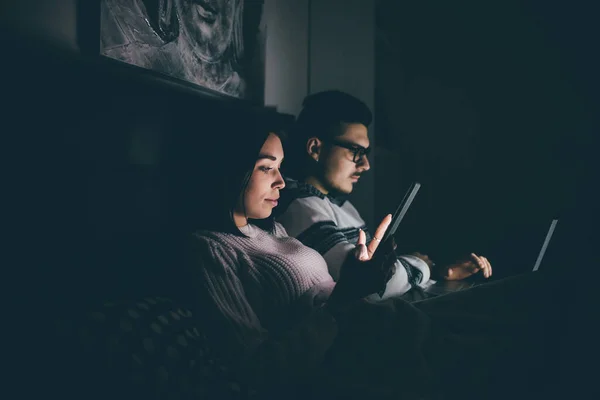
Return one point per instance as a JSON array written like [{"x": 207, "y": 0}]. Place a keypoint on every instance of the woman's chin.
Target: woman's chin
[
  {"x": 267, "y": 215},
  {"x": 263, "y": 215}
]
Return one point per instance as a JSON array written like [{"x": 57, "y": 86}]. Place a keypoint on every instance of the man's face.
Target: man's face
[
  {"x": 209, "y": 25},
  {"x": 339, "y": 171}
]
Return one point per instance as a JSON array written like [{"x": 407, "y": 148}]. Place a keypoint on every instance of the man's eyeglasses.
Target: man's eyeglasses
[{"x": 358, "y": 152}]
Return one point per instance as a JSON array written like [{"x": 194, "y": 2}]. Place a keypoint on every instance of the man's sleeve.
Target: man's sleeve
[{"x": 409, "y": 272}]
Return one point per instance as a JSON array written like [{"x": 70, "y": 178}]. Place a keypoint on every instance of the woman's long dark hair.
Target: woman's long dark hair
[{"x": 211, "y": 169}]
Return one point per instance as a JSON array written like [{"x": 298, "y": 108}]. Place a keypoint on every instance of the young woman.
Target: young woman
[{"x": 275, "y": 315}]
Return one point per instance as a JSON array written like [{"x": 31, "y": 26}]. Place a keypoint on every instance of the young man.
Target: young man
[{"x": 327, "y": 154}]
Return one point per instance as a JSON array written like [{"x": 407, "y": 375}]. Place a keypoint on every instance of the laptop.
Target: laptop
[{"x": 437, "y": 288}]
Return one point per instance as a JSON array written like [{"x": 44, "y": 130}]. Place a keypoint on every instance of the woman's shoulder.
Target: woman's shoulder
[
  {"x": 253, "y": 239},
  {"x": 211, "y": 243},
  {"x": 279, "y": 231}
]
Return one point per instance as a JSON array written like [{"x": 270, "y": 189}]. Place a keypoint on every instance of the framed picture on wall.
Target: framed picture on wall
[{"x": 214, "y": 45}]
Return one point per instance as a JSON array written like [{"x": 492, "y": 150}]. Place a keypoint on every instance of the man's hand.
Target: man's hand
[
  {"x": 464, "y": 269},
  {"x": 459, "y": 270}
]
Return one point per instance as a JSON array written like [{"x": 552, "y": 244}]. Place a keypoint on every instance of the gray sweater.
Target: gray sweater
[{"x": 261, "y": 297}]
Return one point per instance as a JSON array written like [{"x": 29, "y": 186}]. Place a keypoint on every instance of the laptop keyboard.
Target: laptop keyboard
[{"x": 439, "y": 288}]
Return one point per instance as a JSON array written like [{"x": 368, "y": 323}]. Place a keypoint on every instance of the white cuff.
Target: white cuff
[{"x": 420, "y": 265}]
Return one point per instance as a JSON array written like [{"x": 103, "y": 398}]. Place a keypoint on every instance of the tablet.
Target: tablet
[{"x": 401, "y": 210}]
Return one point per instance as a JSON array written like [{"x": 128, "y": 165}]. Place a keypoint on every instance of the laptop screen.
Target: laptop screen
[
  {"x": 521, "y": 246},
  {"x": 545, "y": 244}
]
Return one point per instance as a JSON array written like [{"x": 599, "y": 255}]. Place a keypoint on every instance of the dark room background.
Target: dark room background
[{"x": 493, "y": 107}]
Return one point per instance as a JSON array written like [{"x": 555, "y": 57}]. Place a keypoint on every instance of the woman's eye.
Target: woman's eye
[{"x": 265, "y": 169}]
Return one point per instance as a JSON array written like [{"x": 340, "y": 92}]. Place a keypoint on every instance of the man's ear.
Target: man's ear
[{"x": 313, "y": 148}]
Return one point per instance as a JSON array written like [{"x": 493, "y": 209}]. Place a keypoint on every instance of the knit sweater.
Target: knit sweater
[
  {"x": 331, "y": 226},
  {"x": 261, "y": 298}
]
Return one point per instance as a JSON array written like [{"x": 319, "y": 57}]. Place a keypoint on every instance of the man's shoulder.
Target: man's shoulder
[
  {"x": 301, "y": 189},
  {"x": 301, "y": 206},
  {"x": 295, "y": 190}
]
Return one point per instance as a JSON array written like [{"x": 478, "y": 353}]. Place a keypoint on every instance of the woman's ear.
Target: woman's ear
[{"x": 313, "y": 148}]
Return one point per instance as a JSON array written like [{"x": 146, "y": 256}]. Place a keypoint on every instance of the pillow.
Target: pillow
[{"x": 154, "y": 348}]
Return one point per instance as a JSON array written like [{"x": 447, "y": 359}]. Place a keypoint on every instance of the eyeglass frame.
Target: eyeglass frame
[{"x": 357, "y": 150}]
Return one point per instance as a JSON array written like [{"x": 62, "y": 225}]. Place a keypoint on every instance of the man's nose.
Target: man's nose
[{"x": 364, "y": 163}]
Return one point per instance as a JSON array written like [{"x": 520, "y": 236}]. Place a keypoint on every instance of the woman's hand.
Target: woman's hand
[
  {"x": 363, "y": 251},
  {"x": 366, "y": 270}
]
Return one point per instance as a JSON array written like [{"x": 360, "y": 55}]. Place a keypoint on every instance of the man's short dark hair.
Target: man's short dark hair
[{"x": 323, "y": 114}]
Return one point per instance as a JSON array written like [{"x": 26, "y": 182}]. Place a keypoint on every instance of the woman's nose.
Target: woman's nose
[{"x": 279, "y": 182}]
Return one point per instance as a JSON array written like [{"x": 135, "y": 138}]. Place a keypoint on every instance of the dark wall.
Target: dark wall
[
  {"x": 490, "y": 107},
  {"x": 54, "y": 21},
  {"x": 87, "y": 151},
  {"x": 93, "y": 155}
]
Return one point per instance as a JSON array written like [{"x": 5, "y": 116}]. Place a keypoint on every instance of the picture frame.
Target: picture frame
[{"x": 155, "y": 40}]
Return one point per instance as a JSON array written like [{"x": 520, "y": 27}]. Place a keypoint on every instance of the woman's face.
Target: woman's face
[
  {"x": 208, "y": 24},
  {"x": 262, "y": 192}
]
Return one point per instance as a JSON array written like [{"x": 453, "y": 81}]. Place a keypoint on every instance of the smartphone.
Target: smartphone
[{"x": 401, "y": 210}]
